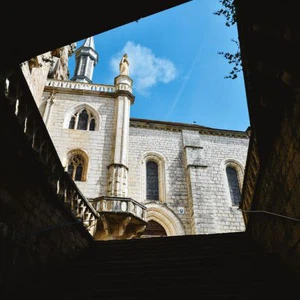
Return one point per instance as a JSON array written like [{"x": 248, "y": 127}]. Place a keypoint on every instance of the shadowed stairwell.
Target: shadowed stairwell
[
  {"x": 35, "y": 197},
  {"x": 217, "y": 266}
]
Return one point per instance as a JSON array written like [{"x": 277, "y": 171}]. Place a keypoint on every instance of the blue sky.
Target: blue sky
[{"x": 177, "y": 73}]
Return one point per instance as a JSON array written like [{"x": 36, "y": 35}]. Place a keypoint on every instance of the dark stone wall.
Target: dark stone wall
[
  {"x": 276, "y": 192},
  {"x": 270, "y": 45},
  {"x": 37, "y": 230}
]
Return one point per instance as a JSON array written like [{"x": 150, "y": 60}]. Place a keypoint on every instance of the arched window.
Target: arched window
[
  {"x": 152, "y": 180},
  {"x": 153, "y": 177},
  {"x": 233, "y": 184},
  {"x": 82, "y": 120},
  {"x": 77, "y": 166},
  {"x": 82, "y": 116}
]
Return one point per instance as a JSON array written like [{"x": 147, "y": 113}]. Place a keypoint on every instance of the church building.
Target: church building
[{"x": 145, "y": 178}]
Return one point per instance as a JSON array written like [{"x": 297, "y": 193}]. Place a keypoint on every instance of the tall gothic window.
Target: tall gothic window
[
  {"x": 76, "y": 167},
  {"x": 233, "y": 184},
  {"x": 83, "y": 120},
  {"x": 152, "y": 181}
]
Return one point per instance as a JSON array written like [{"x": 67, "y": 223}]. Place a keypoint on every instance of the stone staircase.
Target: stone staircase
[{"x": 208, "y": 267}]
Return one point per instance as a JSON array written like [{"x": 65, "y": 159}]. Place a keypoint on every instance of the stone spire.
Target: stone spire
[{"x": 86, "y": 60}]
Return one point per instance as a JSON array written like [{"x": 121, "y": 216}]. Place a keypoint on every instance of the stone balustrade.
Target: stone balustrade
[
  {"x": 120, "y": 205},
  {"x": 76, "y": 202},
  {"x": 39, "y": 139},
  {"x": 80, "y": 86},
  {"x": 120, "y": 218}
]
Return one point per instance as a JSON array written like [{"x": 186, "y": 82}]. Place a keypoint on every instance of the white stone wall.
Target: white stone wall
[
  {"x": 168, "y": 145},
  {"x": 195, "y": 196},
  {"x": 96, "y": 144},
  {"x": 212, "y": 208},
  {"x": 208, "y": 209}
]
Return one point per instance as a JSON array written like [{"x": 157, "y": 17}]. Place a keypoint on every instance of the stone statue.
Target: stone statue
[
  {"x": 60, "y": 69},
  {"x": 124, "y": 65}
]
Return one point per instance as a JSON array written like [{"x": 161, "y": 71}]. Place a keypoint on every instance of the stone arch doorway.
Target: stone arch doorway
[
  {"x": 154, "y": 229},
  {"x": 162, "y": 221}
]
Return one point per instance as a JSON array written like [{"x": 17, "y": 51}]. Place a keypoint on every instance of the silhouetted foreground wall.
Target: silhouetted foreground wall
[
  {"x": 37, "y": 229},
  {"x": 270, "y": 44}
]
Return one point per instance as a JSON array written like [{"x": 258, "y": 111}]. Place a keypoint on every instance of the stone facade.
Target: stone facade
[
  {"x": 194, "y": 196},
  {"x": 193, "y": 193},
  {"x": 95, "y": 144},
  {"x": 194, "y": 185}
]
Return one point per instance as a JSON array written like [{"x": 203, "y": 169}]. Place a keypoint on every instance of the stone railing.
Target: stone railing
[
  {"x": 120, "y": 218},
  {"x": 80, "y": 207},
  {"x": 120, "y": 205},
  {"x": 80, "y": 86},
  {"x": 36, "y": 133}
]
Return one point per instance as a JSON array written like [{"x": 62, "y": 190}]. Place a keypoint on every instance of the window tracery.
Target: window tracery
[
  {"x": 77, "y": 166},
  {"x": 82, "y": 120}
]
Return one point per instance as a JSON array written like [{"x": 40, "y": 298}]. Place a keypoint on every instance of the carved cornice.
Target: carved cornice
[
  {"x": 125, "y": 93},
  {"x": 80, "y": 88},
  {"x": 117, "y": 165},
  {"x": 175, "y": 126},
  {"x": 83, "y": 88}
]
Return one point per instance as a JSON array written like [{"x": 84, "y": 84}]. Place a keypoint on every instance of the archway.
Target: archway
[
  {"x": 163, "y": 221},
  {"x": 154, "y": 229}
]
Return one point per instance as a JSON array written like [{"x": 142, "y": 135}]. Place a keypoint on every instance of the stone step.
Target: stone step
[{"x": 206, "y": 267}]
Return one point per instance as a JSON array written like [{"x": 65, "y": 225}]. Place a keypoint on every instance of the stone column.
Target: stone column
[
  {"x": 48, "y": 109},
  {"x": 118, "y": 170}
]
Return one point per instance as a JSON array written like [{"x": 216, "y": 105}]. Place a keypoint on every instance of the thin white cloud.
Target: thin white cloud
[{"x": 145, "y": 68}]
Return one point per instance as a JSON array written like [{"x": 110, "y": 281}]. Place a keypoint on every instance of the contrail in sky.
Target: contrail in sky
[{"x": 184, "y": 82}]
